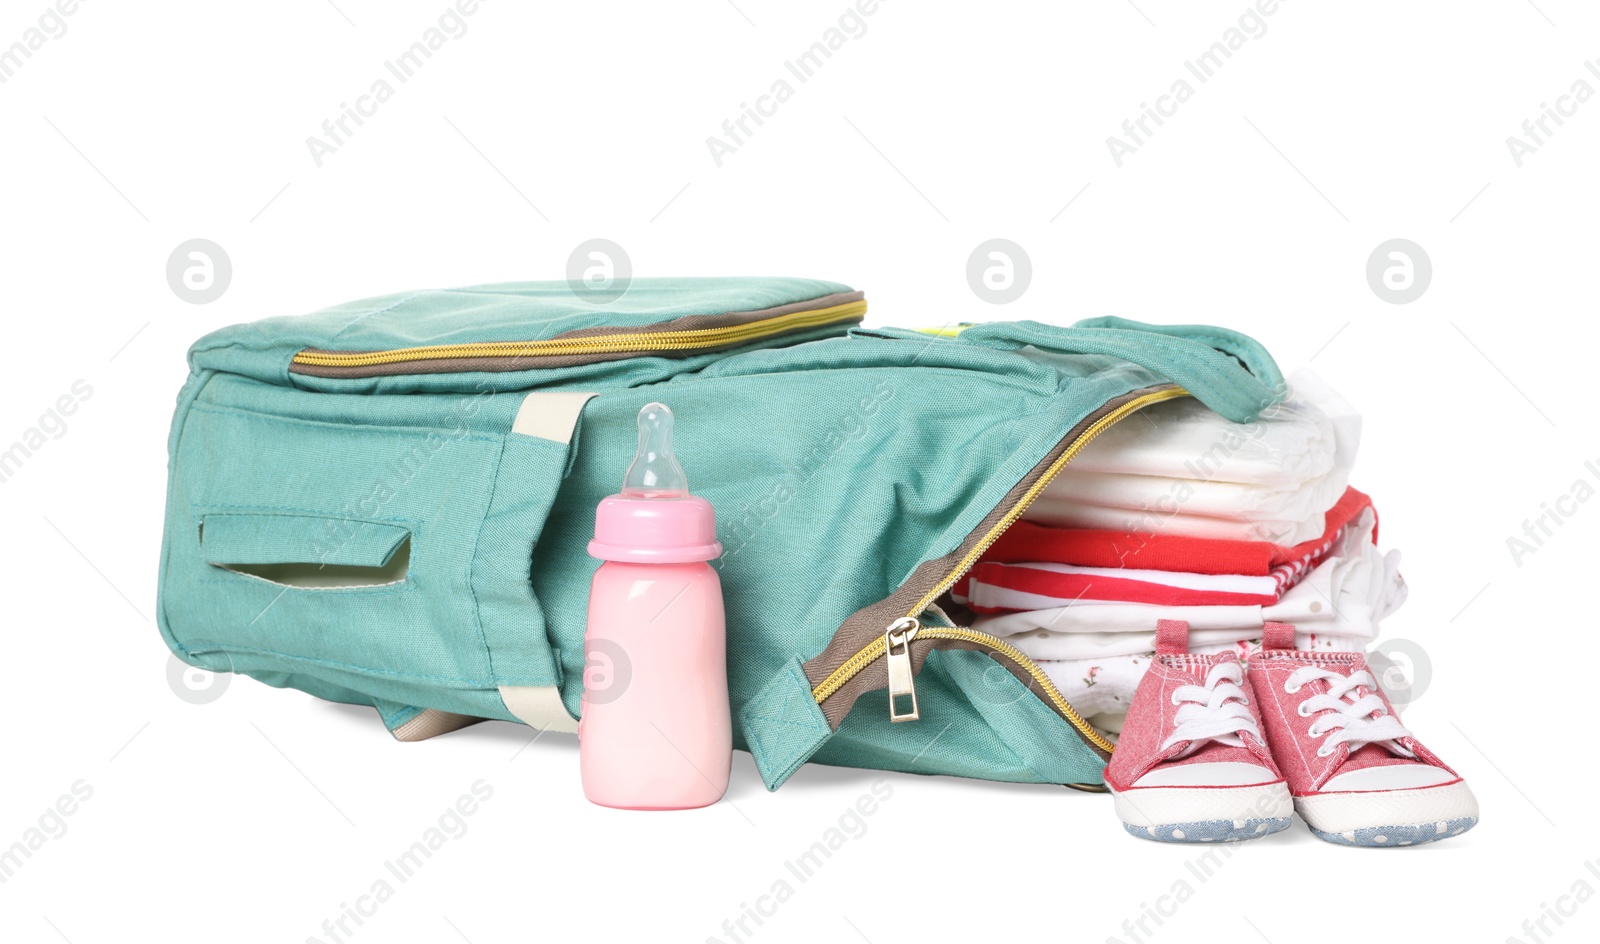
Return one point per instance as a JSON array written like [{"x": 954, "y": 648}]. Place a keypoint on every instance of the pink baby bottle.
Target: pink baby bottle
[{"x": 655, "y": 733}]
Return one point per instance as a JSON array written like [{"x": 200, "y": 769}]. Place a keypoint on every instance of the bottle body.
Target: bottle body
[{"x": 655, "y": 733}]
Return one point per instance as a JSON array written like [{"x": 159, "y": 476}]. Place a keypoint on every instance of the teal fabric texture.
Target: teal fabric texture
[{"x": 838, "y": 459}]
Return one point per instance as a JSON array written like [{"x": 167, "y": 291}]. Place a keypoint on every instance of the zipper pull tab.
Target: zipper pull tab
[{"x": 898, "y": 638}]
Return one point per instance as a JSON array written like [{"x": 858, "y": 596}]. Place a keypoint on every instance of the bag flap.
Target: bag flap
[{"x": 525, "y": 334}]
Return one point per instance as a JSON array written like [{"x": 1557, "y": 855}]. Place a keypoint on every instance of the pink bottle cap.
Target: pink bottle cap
[
  {"x": 654, "y": 520},
  {"x": 655, "y": 530}
]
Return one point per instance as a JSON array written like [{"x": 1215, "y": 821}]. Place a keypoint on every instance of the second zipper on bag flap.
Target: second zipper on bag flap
[{"x": 691, "y": 334}]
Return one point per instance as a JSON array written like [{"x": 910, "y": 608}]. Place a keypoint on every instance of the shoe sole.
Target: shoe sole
[
  {"x": 1391, "y": 818},
  {"x": 1204, "y": 814}
]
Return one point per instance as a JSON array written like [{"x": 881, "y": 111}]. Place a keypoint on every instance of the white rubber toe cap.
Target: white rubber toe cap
[
  {"x": 1164, "y": 806},
  {"x": 1356, "y": 810}
]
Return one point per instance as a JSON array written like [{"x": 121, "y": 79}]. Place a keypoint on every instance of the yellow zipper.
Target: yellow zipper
[
  {"x": 1015, "y": 655},
  {"x": 880, "y": 646},
  {"x": 677, "y": 340}
]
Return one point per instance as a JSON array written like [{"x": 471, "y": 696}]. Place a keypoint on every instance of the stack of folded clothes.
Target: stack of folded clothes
[{"x": 1176, "y": 513}]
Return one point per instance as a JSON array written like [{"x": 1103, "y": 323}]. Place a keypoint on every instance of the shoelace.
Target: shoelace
[
  {"x": 1352, "y": 721},
  {"x": 1215, "y": 711}
]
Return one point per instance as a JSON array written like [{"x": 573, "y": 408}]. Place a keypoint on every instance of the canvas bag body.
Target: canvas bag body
[{"x": 433, "y": 461}]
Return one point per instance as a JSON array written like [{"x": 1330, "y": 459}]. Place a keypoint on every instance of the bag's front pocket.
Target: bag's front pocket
[{"x": 376, "y": 545}]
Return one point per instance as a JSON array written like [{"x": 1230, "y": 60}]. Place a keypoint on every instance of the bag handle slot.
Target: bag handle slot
[{"x": 307, "y": 551}]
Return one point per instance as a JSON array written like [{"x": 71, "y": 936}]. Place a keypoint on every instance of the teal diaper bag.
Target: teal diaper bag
[{"x": 388, "y": 503}]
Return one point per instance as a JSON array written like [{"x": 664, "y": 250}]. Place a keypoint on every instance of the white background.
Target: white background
[{"x": 261, "y": 814}]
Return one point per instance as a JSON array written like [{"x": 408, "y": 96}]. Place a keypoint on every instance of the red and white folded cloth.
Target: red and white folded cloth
[
  {"x": 1027, "y": 542},
  {"x": 1347, "y": 594},
  {"x": 1097, "y": 654},
  {"x": 1033, "y": 567},
  {"x": 1002, "y": 588}
]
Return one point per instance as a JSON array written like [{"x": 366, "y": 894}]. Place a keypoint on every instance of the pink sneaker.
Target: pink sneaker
[
  {"x": 1357, "y": 774},
  {"x": 1191, "y": 765}
]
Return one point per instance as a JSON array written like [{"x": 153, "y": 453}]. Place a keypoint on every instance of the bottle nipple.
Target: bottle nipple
[{"x": 655, "y": 472}]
